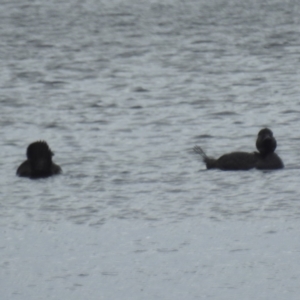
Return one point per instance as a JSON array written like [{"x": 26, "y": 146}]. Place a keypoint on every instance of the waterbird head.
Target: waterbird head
[
  {"x": 266, "y": 143},
  {"x": 40, "y": 156}
]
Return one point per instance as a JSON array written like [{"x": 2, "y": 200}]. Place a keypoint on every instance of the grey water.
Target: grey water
[{"x": 122, "y": 91}]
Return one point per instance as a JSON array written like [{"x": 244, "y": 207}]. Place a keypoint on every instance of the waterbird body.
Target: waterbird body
[{"x": 265, "y": 159}]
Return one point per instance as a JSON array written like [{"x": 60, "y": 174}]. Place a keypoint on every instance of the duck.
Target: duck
[
  {"x": 39, "y": 162},
  {"x": 264, "y": 159}
]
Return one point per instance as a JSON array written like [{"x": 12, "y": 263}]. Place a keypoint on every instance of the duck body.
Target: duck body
[
  {"x": 244, "y": 161},
  {"x": 265, "y": 159},
  {"x": 26, "y": 170},
  {"x": 232, "y": 161}
]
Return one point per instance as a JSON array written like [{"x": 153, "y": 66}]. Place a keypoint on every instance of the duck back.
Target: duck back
[{"x": 237, "y": 161}]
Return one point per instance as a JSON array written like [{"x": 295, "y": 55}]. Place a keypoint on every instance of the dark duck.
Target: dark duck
[
  {"x": 264, "y": 159},
  {"x": 39, "y": 162}
]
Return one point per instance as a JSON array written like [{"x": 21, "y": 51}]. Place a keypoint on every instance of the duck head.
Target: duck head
[
  {"x": 39, "y": 156},
  {"x": 266, "y": 143}
]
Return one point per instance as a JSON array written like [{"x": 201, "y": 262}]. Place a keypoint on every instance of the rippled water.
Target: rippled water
[{"x": 122, "y": 91}]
